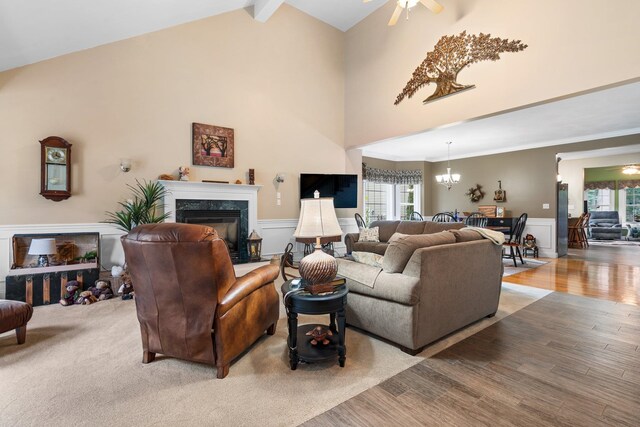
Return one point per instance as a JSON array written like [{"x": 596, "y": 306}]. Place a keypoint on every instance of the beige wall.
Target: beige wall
[
  {"x": 572, "y": 172},
  {"x": 280, "y": 85},
  {"x": 528, "y": 177},
  {"x": 574, "y": 45}
]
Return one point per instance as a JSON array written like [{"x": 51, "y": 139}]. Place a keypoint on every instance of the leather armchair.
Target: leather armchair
[{"x": 189, "y": 303}]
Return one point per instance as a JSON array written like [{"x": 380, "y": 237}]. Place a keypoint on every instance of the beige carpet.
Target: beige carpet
[{"x": 81, "y": 365}]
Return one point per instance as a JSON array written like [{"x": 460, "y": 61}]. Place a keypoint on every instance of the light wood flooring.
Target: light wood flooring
[
  {"x": 562, "y": 361},
  {"x": 611, "y": 273}
]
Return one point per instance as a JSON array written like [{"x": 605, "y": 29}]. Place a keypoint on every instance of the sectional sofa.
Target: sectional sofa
[{"x": 427, "y": 285}]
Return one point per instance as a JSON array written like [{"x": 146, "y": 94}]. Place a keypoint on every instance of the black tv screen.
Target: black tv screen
[{"x": 342, "y": 187}]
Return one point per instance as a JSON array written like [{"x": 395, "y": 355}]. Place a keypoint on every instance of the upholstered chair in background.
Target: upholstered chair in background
[{"x": 190, "y": 304}]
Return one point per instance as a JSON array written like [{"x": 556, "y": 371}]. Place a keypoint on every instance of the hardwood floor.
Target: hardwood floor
[
  {"x": 562, "y": 361},
  {"x": 611, "y": 273}
]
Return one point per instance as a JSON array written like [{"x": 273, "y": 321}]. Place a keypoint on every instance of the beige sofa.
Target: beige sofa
[
  {"x": 388, "y": 228},
  {"x": 429, "y": 286}
]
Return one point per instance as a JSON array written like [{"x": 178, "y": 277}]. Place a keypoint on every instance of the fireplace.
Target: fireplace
[
  {"x": 228, "y": 217},
  {"x": 210, "y": 203}
]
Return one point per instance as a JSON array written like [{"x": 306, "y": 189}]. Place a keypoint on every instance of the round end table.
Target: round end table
[{"x": 298, "y": 301}]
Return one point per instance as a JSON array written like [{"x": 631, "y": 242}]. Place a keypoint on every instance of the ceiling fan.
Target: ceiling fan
[{"x": 432, "y": 5}]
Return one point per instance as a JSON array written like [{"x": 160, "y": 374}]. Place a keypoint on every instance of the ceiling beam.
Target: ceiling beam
[{"x": 263, "y": 9}]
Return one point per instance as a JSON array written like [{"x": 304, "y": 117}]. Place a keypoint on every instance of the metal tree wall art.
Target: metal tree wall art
[{"x": 450, "y": 56}]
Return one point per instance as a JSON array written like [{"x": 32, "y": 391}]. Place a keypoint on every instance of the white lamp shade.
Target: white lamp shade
[
  {"x": 317, "y": 219},
  {"x": 42, "y": 247}
]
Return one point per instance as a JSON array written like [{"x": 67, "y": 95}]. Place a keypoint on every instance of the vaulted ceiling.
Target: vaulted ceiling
[{"x": 34, "y": 30}]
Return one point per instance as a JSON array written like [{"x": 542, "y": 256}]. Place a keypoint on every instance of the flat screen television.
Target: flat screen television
[{"x": 342, "y": 187}]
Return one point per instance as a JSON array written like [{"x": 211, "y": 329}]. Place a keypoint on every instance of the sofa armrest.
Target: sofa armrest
[
  {"x": 247, "y": 284},
  {"x": 350, "y": 239}
]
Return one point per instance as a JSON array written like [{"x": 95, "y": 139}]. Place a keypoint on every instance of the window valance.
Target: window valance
[
  {"x": 629, "y": 183},
  {"x": 387, "y": 176},
  {"x": 600, "y": 185}
]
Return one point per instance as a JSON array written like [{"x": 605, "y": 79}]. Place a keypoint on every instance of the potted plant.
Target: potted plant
[{"x": 142, "y": 208}]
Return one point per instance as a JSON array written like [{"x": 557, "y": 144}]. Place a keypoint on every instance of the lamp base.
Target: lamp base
[
  {"x": 43, "y": 261},
  {"x": 318, "y": 267}
]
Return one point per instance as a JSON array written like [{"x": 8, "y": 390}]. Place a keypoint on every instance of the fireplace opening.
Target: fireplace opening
[{"x": 225, "y": 222}]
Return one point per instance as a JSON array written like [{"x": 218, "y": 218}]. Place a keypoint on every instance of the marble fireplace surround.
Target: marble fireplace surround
[{"x": 187, "y": 190}]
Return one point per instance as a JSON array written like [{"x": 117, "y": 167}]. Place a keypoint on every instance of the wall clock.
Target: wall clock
[{"x": 55, "y": 172}]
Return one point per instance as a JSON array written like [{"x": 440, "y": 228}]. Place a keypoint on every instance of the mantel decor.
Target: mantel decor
[
  {"x": 450, "y": 56},
  {"x": 212, "y": 146}
]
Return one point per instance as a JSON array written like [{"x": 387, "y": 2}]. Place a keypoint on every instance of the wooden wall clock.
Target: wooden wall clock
[{"x": 55, "y": 172}]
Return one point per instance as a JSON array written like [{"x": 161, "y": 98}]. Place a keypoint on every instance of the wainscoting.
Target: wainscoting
[{"x": 276, "y": 234}]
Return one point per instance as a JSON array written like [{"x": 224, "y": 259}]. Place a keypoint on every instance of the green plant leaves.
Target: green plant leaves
[{"x": 142, "y": 208}]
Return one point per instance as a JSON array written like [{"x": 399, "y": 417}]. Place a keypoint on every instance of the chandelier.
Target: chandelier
[{"x": 448, "y": 179}]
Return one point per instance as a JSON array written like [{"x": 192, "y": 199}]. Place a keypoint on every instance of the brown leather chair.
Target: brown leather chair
[{"x": 189, "y": 302}]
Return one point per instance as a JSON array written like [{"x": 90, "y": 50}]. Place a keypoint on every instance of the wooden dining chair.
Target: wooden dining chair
[
  {"x": 515, "y": 240},
  {"x": 443, "y": 217},
  {"x": 360, "y": 221},
  {"x": 415, "y": 216},
  {"x": 476, "y": 219}
]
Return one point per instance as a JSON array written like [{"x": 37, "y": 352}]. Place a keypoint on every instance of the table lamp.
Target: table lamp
[
  {"x": 318, "y": 219},
  {"x": 42, "y": 248}
]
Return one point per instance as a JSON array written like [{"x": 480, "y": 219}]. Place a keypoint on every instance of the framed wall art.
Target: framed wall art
[{"x": 212, "y": 146}]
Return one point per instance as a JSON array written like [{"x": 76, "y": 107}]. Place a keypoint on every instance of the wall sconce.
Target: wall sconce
[
  {"x": 125, "y": 165},
  {"x": 280, "y": 177}
]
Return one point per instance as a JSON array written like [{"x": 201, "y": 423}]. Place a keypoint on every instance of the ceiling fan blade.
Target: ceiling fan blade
[
  {"x": 395, "y": 16},
  {"x": 432, "y": 5}
]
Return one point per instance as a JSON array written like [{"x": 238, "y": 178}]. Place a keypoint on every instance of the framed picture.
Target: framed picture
[
  {"x": 499, "y": 212},
  {"x": 212, "y": 145},
  {"x": 488, "y": 211}
]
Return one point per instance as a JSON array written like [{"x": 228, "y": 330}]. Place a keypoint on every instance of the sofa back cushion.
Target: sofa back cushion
[
  {"x": 410, "y": 227},
  {"x": 604, "y": 218},
  {"x": 466, "y": 235},
  {"x": 436, "y": 227},
  {"x": 401, "y": 248},
  {"x": 386, "y": 228}
]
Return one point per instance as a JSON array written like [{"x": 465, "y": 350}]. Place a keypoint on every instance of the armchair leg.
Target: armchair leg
[
  {"x": 148, "y": 356},
  {"x": 21, "y": 334},
  {"x": 271, "y": 329},
  {"x": 223, "y": 371}
]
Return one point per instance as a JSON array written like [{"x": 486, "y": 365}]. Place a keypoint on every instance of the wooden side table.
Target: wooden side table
[{"x": 297, "y": 301}]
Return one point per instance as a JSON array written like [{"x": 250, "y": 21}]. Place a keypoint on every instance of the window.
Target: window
[
  {"x": 632, "y": 203},
  {"x": 407, "y": 200},
  {"x": 388, "y": 201},
  {"x": 599, "y": 200}
]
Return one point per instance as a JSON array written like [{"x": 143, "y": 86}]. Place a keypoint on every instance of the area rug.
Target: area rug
[
  {"x": 530, "y": 263},
  {"x": 81, "y": 365}
]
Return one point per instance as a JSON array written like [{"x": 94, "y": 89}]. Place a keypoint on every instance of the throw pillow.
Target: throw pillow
[
  {"x": 400, "y": 251},
  {"x": 369, "y": 235},
  {"x": 368, "y": 258}
]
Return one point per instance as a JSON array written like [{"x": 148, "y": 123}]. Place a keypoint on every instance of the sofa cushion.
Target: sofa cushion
[
  {"x": 369, "y": 234},
  {"x": 387, "y": 228},
  {"x": 410, "y": 227},
  {"x": 365, "y": 275},
  {"x": 465, "y": 235},
  {"x": 435, "y": 227},
  {"x": 369, "y": 258},
  {"x": 388, "y": 287},
  {"x": 401, "y": 249},
  {"x": 375, "y": 247}
]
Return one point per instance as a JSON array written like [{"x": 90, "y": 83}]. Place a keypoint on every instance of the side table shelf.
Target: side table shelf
[{"x": 300, "y": 347}]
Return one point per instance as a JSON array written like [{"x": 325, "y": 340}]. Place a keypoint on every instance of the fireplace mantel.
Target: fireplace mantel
[{"x": 188, "y": 190}]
